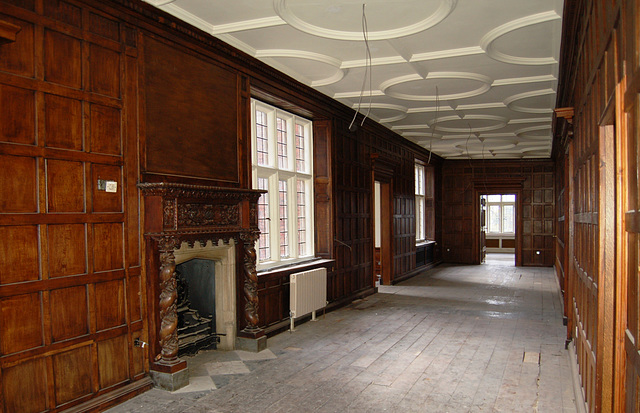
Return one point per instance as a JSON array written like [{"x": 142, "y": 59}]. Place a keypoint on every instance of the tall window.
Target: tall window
[
  {"x": 501, "y": 213},
  {"x": 420, "y": 203},
  {"x": 282, "y": 165}
]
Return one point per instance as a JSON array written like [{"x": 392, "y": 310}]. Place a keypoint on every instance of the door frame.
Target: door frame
[
  {"x": 497, "y": 187},
  {"x": 383, "y": 173}
]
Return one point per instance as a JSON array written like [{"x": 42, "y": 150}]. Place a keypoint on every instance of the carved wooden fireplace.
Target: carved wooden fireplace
[{"x": 193, "y": 221}]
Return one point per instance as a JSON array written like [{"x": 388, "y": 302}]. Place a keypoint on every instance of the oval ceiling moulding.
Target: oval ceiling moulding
[
  {"x": 441, "y": 13},
  {"x": 306, "y": 55},
  {"x": 383, "y": 106},
  {"x": 501, "y": 122},
  {"x": 527, "y": 95},
  {"x": 486, "y": 85},
  {"x": 487, "y": 40}
]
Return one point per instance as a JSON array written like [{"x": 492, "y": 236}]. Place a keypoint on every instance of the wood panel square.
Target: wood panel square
[
  {"x": 113, "y": 361},
  {"x": 537, "y": 227},
  {"x": 508, "y": 243},
  {"x": 24, "y": 387},
  {"x": 64, "y": 11},
  {"x": 18, "y": 115},
  {"x": 107, "y": 247},
  {"x": 538, "y": 211},
  {"x": 104, "y": 71},
  {"x": 538, "y": 196},
  {"x": 69, "y": 313},
  {"x": 104, "y": 27},
  {"x": 65, "y": 186},
  {"x": 104, "y": 201},
  {"x": 110, "y": 304},
  {"x": 67, "y": 250},
  {"x": 19, "y": 57},
  {"x": 58, "y": 48},
  {"x": 21, "y": 323},
  {"x": 18, "y": 192},
  {"x": 106, "y": 134},
  {"x": 63, "y": 122},
  {"x": 72, "y": 374},
  {"x": 19, "y": 255}
]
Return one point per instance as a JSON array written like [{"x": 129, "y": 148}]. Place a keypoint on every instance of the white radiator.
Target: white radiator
[{"x": 308, "y": 293}]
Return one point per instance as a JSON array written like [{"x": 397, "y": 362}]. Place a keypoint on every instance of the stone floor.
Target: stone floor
[{"x": 485, "y": 338}]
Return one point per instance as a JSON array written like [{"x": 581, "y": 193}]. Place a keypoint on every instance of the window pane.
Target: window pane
[
  {"x": 263, "y": 221},
  {"x": 494, "y": 198},
  {"x": 302, "y": 218},
  {"x": 281, "y": 131},
  {"x": 300, "y": 161},
  {"x": 509, "y": 198},
  {"x": 507, "y": 218},
  {"x": 494, "y": 218},
  {"x": 284, "y": 219},
  {"x": 420, "y": 218},
  {"x": 262, "y": 140},
  {"x": 419, "y": 180}
]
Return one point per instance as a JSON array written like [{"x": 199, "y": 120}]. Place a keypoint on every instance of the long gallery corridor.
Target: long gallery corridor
[{"x": 485, "y": 338}]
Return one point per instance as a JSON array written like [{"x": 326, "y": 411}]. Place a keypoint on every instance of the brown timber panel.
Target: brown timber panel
[
  {"x": 588, "y": 268},
  {"x": 585, "y": 303},
  {"x": 404, "y": 214},
  {"x": 353, "y": 225},
  {"x": 207, "y": 146},
  {"x": 71, "y": 287}
]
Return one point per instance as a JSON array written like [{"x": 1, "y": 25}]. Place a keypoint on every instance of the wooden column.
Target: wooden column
[
  {"x": 168, "y": 336},
  {"x": 250, "y": 289}
]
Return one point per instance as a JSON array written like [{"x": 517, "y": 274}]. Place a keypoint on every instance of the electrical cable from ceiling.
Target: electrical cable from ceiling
[
  {"x": 435, "y": 122},
  {"x": 367, "y": 71}
]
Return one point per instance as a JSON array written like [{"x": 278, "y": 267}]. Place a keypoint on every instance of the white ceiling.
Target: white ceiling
[{"x": 490, "y": 65}]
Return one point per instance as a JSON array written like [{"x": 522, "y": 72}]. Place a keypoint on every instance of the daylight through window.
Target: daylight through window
[
  {"x": 501, "y": 213},
  {"x": 282, "y": 165}
]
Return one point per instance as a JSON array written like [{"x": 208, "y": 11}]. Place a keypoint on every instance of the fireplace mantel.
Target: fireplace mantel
[{"x": 175, "y": 213}]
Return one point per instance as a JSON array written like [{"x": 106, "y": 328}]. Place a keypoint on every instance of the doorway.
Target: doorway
[
  {"x": 382, "y": 267},
  {"x": 498, "y": 228},
  {"x": 497, "y": 235}
]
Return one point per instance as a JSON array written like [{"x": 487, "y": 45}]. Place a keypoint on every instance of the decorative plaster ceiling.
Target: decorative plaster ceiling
[{"x": 464, "y": 78}]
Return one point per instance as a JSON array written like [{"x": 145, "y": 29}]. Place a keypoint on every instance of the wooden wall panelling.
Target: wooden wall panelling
[
  {"x": 563, "y": 156},
  {"x": 202, "y": 147},
  {"x": 352, "y": 192},
  {"x": 535, "y": 227},
  {"x": 91, "y": 41},
  {"x": 597, "y": 48},
  {"x": 74, "y": 282}
]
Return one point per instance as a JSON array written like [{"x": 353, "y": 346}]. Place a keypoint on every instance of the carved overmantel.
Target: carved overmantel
[{"x": 176, "y": 213}]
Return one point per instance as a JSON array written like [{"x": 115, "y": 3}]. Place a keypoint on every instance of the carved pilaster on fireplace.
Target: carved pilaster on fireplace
[
  {"x": 168, "y": 336},
  {"x": 250, "y": 285}
]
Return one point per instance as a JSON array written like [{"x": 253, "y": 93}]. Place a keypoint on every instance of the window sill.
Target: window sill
[{"x": 296, "y": 267}]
